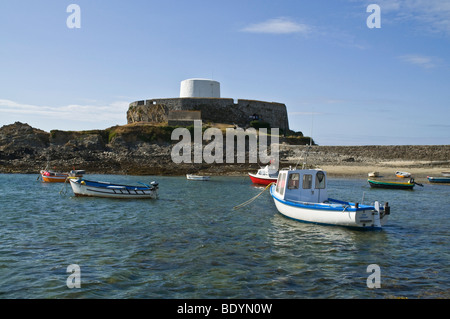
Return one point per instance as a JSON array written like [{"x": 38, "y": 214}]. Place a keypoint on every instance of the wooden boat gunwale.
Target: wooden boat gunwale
[
  {"x": 112, "y": 190},
  {"x": 389, "y": 184}
]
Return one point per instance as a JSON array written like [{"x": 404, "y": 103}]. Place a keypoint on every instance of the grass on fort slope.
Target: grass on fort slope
[{"x": 162, "y": 132}]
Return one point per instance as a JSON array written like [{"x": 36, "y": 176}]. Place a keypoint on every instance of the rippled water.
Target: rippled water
[{"x": 190, "y": 243}]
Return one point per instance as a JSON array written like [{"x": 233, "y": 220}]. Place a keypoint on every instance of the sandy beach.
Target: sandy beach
[
  {"x": 358, "y": 161},
  {"x": 386, "y": 172}
]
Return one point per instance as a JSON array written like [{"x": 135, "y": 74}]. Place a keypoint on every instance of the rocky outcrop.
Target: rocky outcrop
[{"x": 146, "y": 150}]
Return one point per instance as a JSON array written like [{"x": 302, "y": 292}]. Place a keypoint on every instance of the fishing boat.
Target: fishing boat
[
  {"x": 197, "y": 177},
  {"x": 393, "y": 185},
  {"x": 53, "y": 177},
  {"x": 264, "y": 176},
  {"x": 446, "y": 174},
  {"x": 438, "y": 179},
  {"x": 49, "y": 176},
  {"x": 82, "y": 187},
  {"x": 402, "y": 174},
  {"x": 301, "y": 194}
]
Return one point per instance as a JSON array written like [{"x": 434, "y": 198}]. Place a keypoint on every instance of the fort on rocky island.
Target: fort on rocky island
[{"x": 200, "y": 100}]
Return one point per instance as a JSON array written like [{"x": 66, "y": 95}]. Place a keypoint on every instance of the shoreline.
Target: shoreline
[
  {"x": 333, "y": 171},
  {"x": 147, "y": 150},
  {"x": 386, "y": 172}
]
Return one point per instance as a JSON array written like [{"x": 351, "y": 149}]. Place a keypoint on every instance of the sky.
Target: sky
[{"x": 343, "y": 82}]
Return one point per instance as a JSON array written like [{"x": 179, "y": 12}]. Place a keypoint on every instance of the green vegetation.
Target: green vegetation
[
  {"x": 159, "y": 133},
  {"x": 260, "y": 124}
]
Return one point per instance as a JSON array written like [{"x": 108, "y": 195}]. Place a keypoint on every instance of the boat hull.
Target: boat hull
[
  {"x": 439, "y": 179},
  {"x": 390, "y": 185},
  {"x": 261, "y": 180},
  {"x": 54, "y": 179},
  {"x": 403, "y": 174},
  {"x": 197, "y": 177},
  {"x": 107, "y": 190},
  {"x": 331, "y": 214}
]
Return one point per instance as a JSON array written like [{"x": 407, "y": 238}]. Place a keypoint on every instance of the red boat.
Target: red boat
[{"x": 264, "y": 176}]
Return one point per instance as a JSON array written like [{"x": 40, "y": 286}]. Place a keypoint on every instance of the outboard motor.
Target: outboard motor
[{"x": 154, "y": 184}]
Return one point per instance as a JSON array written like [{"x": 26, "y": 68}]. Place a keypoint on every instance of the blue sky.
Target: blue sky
[{"x": 342, "y": 82}]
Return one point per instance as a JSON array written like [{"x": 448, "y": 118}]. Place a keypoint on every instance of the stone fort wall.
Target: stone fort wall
[{"x": 216, "y": 110}]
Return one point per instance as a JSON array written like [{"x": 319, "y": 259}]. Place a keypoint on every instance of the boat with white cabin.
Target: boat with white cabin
[
  {"x": 265, "y": 175},
  {"x": 301, "y": 194}
]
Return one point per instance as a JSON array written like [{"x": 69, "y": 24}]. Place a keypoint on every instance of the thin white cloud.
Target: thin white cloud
[
  {"x": 425, "y": 62},
  {"x": 73, "y": 112},
  {"x": 280, "y": 25}
]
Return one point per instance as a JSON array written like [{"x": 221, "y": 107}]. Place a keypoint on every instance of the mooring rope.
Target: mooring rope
[
  {"x": 251, "y": 199},
  {"x": 63, "y": 190}
]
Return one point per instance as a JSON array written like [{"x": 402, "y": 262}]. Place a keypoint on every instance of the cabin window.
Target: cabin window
[
  {"x": 320, "y": 180},
  {"x": 280, "y": 184},
  {"x": 293, "y": 181},
  {"x": 307, "y": 181}
]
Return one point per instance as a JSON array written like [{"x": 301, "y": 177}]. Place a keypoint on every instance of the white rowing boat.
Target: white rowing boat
[
  {"x": 197, "y": 177},
  {"x": 82, "y": 187}
]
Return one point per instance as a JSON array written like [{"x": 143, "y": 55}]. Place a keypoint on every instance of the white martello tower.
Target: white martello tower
[{"x": 200, "y": 88}]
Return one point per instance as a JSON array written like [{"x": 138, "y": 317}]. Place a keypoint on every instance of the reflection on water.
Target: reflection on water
[{"x": 190, "y": 243}]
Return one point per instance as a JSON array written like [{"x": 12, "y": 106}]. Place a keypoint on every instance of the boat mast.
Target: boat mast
[{"x": 309, "y": 146}]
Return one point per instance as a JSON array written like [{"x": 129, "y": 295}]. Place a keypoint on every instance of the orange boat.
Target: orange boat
[
  {"x": 402, "y": 174},
  {"x": 57, "y": 177}
]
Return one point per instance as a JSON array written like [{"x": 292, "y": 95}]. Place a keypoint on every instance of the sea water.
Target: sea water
[{"x": 191, "y": 243}]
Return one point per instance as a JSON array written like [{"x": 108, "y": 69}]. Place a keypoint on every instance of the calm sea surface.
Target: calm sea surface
[{"x": 190, "y": 243}]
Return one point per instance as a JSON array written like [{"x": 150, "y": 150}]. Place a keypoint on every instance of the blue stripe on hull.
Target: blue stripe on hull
[{"x": 339, "y": 206}]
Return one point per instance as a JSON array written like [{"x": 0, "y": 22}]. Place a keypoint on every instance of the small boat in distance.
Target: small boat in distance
[
  {"x": 49, "y": 176},
  {"x": 53, "y": 177},
  {"x": 402, "y": 174},
  {"x": 301, "y": 194},
  {"x": 264, "y": 176},
  {"x": 82, "y": 187},
  {"x": 446, "y": 174},
  {"x": 438, "y": 179},
  {"x": 393, "y": 185},
  {"x": 197, "y": 177}
]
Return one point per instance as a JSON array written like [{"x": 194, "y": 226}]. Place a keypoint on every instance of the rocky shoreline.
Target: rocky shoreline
[{"x": 143, "y": 150}]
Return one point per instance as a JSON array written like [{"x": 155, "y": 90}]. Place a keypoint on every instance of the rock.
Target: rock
[
  {"x": 146, "y": 150},
  {"x": 20, "y": 135}
]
